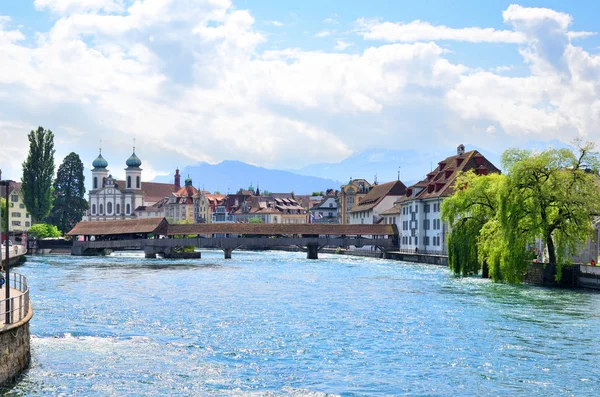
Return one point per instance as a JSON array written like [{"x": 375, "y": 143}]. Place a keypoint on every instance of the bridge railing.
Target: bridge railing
[{"x": 18, "y": 307}]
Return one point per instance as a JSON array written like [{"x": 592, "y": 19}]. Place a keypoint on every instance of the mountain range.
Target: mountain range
[{"x": 384, "y": 165}]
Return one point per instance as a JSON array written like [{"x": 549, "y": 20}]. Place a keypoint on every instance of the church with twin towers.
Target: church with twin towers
[{"x": 113, "y": 199}]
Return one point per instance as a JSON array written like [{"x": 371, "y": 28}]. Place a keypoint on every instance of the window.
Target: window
[
  {"x": 330, "y": 205},
  {"x": 129, "y": 182},
  {"x": 109, "y": 208},
  {"x": 128, "y": 209},
  {"x": 93, "y": 209},
  {"x": 416, "y": 240},
  {"x": 27, "y": 224},
  {"x": 416, "y": 209},
  {"x": 14, "y": 198},
  {"x": 137, "y": 182},
  {"x": 118, "y": 209},
  {"x": 95, "y": 182},
  {"x": 101, "y": 209},
  {"x": 21, "y": 205},
  {"x": 426, "y": 240},
  {"x": 27, "y": 215},
  {"x": 16, "y": 223},
  {"x": 15, "y": 214}
]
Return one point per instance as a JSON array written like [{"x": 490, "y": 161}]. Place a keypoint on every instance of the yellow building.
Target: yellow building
[
  {"x": 19, "y": 218},
  {"x": 351, "y": 195},
  {"x": 180, "y": 204},
  {"x": 205, "y": 205}
]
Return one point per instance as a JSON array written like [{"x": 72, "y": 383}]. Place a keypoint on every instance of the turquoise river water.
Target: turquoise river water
[{"x": 276, "y": 324}]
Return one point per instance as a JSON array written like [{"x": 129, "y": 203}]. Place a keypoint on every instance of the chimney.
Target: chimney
[
  {"x": 177, "y": 179},
  {"x": 460, "y": 149}
]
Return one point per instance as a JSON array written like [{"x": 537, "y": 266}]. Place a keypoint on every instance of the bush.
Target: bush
[{"x": 44, "y": 230}]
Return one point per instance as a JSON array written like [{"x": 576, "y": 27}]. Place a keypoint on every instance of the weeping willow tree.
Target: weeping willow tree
[
  {"x": 552, "y": 196},
  {"x": 547, "y": 196},
  {"x": 467, "y": 211}
]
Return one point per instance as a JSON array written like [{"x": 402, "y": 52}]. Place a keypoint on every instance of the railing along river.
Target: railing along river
[{"x": 18, "y": 304}]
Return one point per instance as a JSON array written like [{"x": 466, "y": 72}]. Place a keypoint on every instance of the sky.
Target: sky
[{"x": 285, "y": 84}]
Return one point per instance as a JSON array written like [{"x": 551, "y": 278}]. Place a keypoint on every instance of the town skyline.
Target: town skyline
[{"x": 283, "y": 89}]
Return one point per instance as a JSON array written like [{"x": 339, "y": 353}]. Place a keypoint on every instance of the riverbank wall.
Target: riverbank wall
[{"x": 15, "y": 349}]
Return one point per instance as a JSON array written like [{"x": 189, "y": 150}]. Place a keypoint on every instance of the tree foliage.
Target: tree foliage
[
  {"x": 69, "y": 191},
  {"x": 43, "y": 230},
  {"x": 473, "y": 204},
  {"x": 548, "y": 196},
  {"x": 255, "y": 219},
  {"x": 38, "y": 171}
]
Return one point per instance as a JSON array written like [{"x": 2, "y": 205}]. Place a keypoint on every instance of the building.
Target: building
[
  {"x": 420, "y": 225},
  {"x": 350, "y": 195},
  {"x": 180, "y": 204},
  {"x": 112, "y": 199},
  {"x": 274, "y": 208},
  {"x": 325, "y": 211},
  {"x": 205, "y": 206},
  {"x": 19, "y": 218},
  {"x": 373, "y": 204}
]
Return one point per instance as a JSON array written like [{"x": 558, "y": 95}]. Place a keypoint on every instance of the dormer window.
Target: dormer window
[
  {"x": 430, "y": 188},
  {"x": 482, "y": 171},
  {"x": 478, "y": 159},
  {"x": 448, "y": 173},
  {"x": 442, "y": 164},
  {"x": 459, "y": 161}
]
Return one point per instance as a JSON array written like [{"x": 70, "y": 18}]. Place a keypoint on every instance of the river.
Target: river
[{"x": 276, "y": 324}]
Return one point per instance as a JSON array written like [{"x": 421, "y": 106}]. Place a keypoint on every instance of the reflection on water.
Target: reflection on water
[{"x": 275, "y": 324}]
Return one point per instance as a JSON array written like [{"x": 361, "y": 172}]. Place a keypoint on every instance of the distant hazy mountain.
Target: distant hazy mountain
[
  {"x": 414, "y": 165},
  {"x": 385, "y": 163},
  {"x": 229, "y": 176}
]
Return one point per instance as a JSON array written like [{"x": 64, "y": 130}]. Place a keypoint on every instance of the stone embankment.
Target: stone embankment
[
  {"x": 16, "y": 254},
  {"x": 15, "y": 314}
]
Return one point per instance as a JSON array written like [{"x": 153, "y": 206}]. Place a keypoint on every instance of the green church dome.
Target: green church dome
[
  {"x": 100, "y": 162},
  {"x": 133, "y": 161}
]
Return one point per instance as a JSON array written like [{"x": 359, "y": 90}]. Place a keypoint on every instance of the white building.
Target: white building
[
  {"x": 112, "y": 199},
  {"x": 380, "y": 198},
  {"x": 419, "y": 222}
]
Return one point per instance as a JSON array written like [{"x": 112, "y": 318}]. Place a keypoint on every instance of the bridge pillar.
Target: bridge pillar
[
  {"x": 149, "y": 252},
  {"x": 227, "y": 252},
  {"x": 312, "y": 251}
]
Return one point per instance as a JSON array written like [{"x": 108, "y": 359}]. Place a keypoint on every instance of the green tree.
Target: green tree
[
  {"x": 38, "y": 171},
  {"x": 474, "y": 203},
  {"x": 69, "y": 191},
  {"x": 255, "y": 219},
  {"x": 43, "y": 230},
  {"x": 551, "y": 196},
  {"x": 548, "y": 196}
]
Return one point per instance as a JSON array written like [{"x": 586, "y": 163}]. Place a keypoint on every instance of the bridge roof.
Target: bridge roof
[
  {"x": 279, "y": 228},
  {"x": 130, "y": 226}
]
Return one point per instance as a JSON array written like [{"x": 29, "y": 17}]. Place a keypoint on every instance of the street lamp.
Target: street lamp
[{"x": 6, "y": 184}]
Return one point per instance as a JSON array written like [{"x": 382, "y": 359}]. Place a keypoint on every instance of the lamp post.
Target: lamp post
[{"x": 6, "y": 185}]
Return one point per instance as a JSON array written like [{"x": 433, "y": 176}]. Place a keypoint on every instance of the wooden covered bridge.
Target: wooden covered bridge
[{"x": 156, "y": 236}]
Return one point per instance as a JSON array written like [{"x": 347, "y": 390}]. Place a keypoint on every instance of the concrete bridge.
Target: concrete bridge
[{"x": 155, "y": 236}]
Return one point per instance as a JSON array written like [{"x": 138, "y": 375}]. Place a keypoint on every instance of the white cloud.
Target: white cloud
[
  {"x": 190, "y": 81},
  {"x": 424, "y": 31},
  {"x": 275, "y": 23},
  {"x": 341, "y": 45},
  {"x": 79, "y": 6},
  {"x": 324, "y": 33}
]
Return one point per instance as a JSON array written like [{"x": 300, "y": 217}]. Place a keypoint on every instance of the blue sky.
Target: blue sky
[{"x": 287, "y": 84}]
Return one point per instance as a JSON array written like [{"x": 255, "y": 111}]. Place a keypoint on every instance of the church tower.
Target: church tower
[
  {"x": 99, "y": 172},
  {"x": 133, "y": 172}
]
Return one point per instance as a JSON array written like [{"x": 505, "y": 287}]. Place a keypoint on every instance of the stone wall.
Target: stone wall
[
  {"x": 544, "y": 274},
  {"x": 15, "y": 353}
]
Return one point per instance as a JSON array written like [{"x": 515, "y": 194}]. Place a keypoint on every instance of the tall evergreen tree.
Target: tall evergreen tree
[
  {"x": 38, "y": 171},
  {"x": 69, "y": 190}
]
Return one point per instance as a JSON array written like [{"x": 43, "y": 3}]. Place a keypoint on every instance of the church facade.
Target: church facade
[{"x": 112, "y": 199}]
